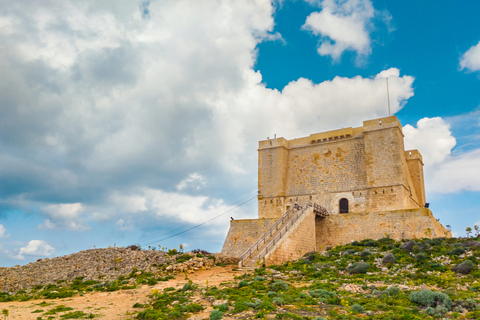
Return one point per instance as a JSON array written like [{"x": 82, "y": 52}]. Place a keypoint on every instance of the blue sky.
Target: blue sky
[{"x": 127, "y": 122}]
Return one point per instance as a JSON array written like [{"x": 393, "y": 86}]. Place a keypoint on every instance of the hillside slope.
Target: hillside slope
[{"x": 384, "y": 279}]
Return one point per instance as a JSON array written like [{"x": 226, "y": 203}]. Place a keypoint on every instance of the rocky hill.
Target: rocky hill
[
  {"x": 96, "y": 264},
  {"x": 370, "y": 279}
]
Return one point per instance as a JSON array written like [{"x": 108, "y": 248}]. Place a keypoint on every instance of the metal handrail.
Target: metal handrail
[
  {"x": 269, "y": 231},
  {"x": 256, "y": 244}
]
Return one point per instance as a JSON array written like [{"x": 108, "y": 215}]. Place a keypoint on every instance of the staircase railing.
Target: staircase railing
[{"x": 284, "y": 220}]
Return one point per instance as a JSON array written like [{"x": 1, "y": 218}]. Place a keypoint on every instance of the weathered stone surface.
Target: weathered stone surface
[
  {"x": 192, "y": 265},
  {"x": 221, "y": 258},
  {"x": 364, "y": 170}
]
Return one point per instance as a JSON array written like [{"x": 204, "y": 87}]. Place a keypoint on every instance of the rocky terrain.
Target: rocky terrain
[
  {"x": 96, "y": 264},
  {"x": 370, "y": 279}
]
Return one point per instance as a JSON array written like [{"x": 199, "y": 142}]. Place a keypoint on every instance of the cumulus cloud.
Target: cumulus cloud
[
  {"x": 471, "y": 59},
  {"x": 459, "y": 173},
  {"x": 193, "y": 181},
  {"x": 432, "y": 137},
  {"x": 35, "y": 248},
  {"x": 3, "y": 232},
  {"x": 445, "y": 171},
  {"x": 342, "y": 25},
  {"x": 122, "y": 113},
  {"x": 64, "y": 215}
]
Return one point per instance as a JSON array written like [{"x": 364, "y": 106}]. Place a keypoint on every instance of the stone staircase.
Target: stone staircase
[{"x": 274, "y": 236}]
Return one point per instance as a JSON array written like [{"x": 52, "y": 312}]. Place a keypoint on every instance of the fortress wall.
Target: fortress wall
[
  {"x": 298, "y": 241},
  {"x": 415, "y": 168},
  {"x": 272, "y": 177},
  {"x": 398, "y": 224},
  {"x": 243, "y": 233},
  {"x": 333, "y": 166}
]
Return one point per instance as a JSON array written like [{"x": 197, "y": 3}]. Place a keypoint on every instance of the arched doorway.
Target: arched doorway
[{"x": 343, "y": 205}]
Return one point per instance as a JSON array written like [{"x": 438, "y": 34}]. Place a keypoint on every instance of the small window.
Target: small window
[{"x": 343, "y": 205}]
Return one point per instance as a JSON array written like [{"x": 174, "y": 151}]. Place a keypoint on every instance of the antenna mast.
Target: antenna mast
[{"x": 388, "y": 98}]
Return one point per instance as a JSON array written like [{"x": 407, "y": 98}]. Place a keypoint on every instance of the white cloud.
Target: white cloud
[
  {"x": 432, "y": 137},
  {"x": 35, "y": 248},
  {"x": 105, "y": 109},
  {"x": 3, "y": 232},
  {"x": 342, "y": 25},
  {"x": 64, "y": 215},
  {"x": 471, "y": 59},
  {"x": 194, "y": 181},
  {"x": 458, "y": 173}
]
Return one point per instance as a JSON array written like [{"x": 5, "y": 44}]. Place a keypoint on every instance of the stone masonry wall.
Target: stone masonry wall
[
  {"x": 367, "y": 164},
  {"x": 400, "y": 224},
  {"x": 243, "y": 233},
  {"x": 298, "y": 241}
]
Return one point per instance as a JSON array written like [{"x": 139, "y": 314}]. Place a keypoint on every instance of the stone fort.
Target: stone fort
[{"x": 333, "y": 188}]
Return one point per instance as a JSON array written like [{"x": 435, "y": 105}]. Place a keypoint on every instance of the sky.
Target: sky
[{"x": 127, "y": 122}]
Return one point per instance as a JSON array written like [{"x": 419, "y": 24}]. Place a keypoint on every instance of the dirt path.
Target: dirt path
[{"x": 117, "y": 305}]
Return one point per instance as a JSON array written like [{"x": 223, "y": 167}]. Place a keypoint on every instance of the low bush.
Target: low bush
[
  {"x": 408, "y": 246},
  {"x": 392, "y": 291},
  {"x": 420, "y": 257},
  {"x": 429, "y": 298},
  {"x": 388, "y": 258},
  {"x": 356, "y": 308},
  {"x": 358, "y": 267},
  {"x": 464, "y": 268},
  {"x": 216, "y": 315},
  {"x": 279, "y": 285},
  {"x": 365, "y": 253},
  {"x": 457, "y": 251}
]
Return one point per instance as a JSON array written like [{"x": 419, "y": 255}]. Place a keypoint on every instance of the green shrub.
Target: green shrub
[
  {"x": 216, "y": 315},
  {"x": 368, "y": 243},
  {"x": 188, "y": 286},
  {"x": 172, "y": 252},
  {"x": 242, "y": 284},
  {"x": 348, "y": 252},
  {"x": 428, "y": 298},
  {"x": 193, "y": 307},
  {"x": 420, "y": 257},
  {"x": 358, "y": 267},
  {"x": 223, "y": 307},
  {"x": 430, "y": 311},
  {"x": 392, "y": 291},
  {"x": 408, "y": 246},
  {"x": 464, "y": 268},
  {"x": 278, "y": 301},
  {"x": 365, "y": 253},
  {"x": 471, "y": 304},
  {"x": 271, "y": 293},
  {"x": 356, "y": 308},
  {"x": 440, "y": 311},
  {"x": 322, "y": 293},
  {"x": 457, "y": 251},
  {"x": 183, "y": 258},
  {"x": 279, "y": 285},
  {"x": 388, "y": 258}
]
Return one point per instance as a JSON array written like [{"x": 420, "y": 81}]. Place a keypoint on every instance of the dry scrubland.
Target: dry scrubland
[{"x": 384, "y": 279}]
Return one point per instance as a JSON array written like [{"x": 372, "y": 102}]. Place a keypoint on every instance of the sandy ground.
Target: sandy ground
[{"x": 118, "y": 304}]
